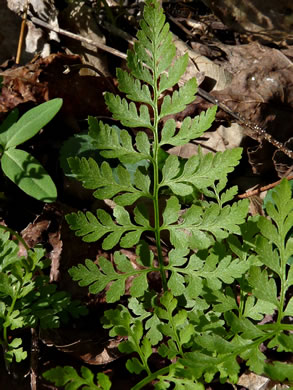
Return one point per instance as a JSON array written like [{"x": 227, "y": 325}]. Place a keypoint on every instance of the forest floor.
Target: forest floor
[{"x": 250, "y": 75}]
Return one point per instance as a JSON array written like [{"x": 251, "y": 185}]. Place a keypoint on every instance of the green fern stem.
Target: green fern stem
[
  {"x": 139, "y": 351},
  {"x": 152, "y": 377},
  {"x": 283, "y": 281},
  {"x": 167, "y": 369},
  {"x": 156, "y": 195},
  {"x": 276, "y": 327},
  {"x": 156, "y": 172},
  {"x": 177, "y": 341},
  {"x": 218, "y": 198},
  {"x": 5, "y": 337},
  {"x": 243, "y": 297},
  {"x": 157, "y": 209},
  {"x": 5, "y": 328}
]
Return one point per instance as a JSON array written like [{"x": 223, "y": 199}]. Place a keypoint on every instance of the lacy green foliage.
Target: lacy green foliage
[
  {"x": 224, "y": 272},
  {"x": 272, "y": 248},
  {"x": 26, "y": 297},
  {"x": 19, "y": 166},
  {"x": 190, "y": 276},
  {"x": 200, "y": 226},
  {"x": 97, "y": 277},
  {"x": 93, "y": 228},
  {"x": 123, "y": 323},
  {"x": 70, "y": 379}
]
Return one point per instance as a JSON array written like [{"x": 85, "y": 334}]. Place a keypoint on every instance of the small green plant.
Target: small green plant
[
  {"x": 68, "y": 377},
  {"x": 27, "y": 299},
  {"x": 18, "y": 165},
  {"x": 224, "y": 272}
]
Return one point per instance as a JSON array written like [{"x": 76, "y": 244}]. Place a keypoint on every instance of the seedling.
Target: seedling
[
  {"x": 18, "y": 165},
  {"x": 27, "y": 299}
]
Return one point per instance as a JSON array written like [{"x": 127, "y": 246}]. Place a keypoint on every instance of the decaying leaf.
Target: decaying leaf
[
  {"x": 201, "y": 67},
  {"x": 47, "y": 228},
  {"x": 93, "y": 347},
  {"x": 262, "y": 93},
  {"x": 55, "y": 76},
  {"x": 266, "y": 20}
]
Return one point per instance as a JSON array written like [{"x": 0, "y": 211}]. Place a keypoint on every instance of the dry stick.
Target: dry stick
[
  {"x": 21, "y": 34},
  {"x": 257, "y": 129},
  {"x": 177, "y": 22},
  {"x": 34, "y": 358},
  {"x": 244, "y": 122},
  {"x": 257, "y": 191},
  {"x": 78, "y": 38},
  {"x": 118, "y": 32}
]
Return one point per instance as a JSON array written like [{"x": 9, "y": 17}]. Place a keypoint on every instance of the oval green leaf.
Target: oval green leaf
[
  {"x": 28, "y": 174},
  {"x": 5, "y": 126},
  {"x": 31, "y": 122}
]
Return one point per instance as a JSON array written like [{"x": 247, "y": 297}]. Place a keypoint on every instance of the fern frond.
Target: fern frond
[
  {"x": 92, "y": 228},
  {"x": 175, "y": 72},
  {"x": 190, "y": 275},
  {"x": 106, "y": 185},
  {"x": 116, "y": 143},
  {"x": 67, "y": 376},
  {"x": 179, "y": 99},
  {"x": 199, "y": 171},
  {"x": 199, "y": 227},
  {"x": 133, "y": 88},
  {"x": 98, "y": 277},
  {"x": 127, "y": 113},
  {"x": 190, "y": 128}
]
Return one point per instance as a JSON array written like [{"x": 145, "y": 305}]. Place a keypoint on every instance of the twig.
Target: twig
[
  {"x": 177, "y": 22},
  {"x": 257, "y": 191},
  {"x": 21, "y": 34},
  {"x": 78, "y": 38},
  {"x": 34, "y": 359},
  {"x": 118, "y": 32},
  {"x": 244, "y": 122}
]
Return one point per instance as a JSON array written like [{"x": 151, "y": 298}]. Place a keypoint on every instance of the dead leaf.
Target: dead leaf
[
  {"x": 252, "y": 381},
  {"x": 283, "y": 164},
  {"x": 201, "y": 65},
  {"x": 46, "y": 79},
  {"x": 262, "y": 93},
  {"x": 91, "y": 346},
  {"x": 265, "y": 20},
  {"x": 46, "y": 228}
]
